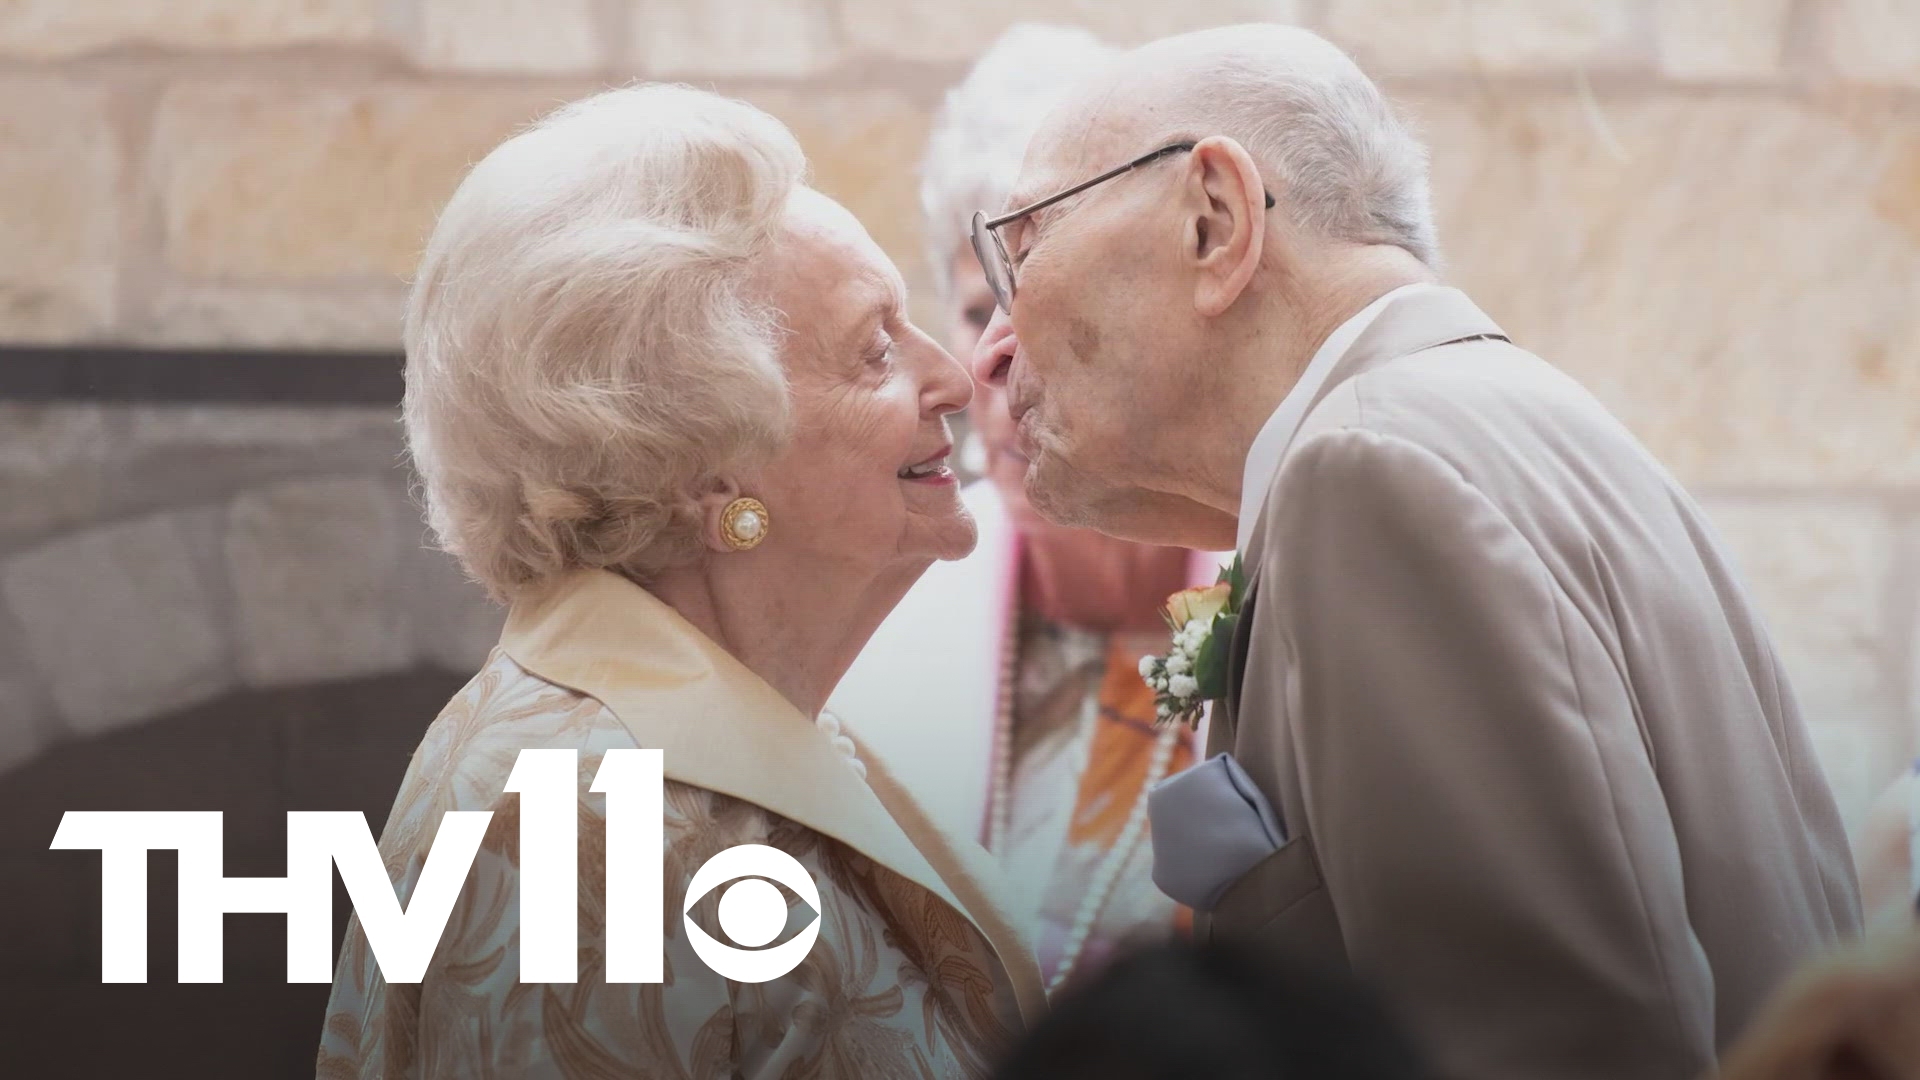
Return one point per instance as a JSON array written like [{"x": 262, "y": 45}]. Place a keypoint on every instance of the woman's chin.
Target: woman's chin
[{"x": 949, "y": 537}]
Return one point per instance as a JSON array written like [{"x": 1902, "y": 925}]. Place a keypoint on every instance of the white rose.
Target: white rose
[
  {"x": 1178, "y": 664},
  {"x": 1183, "y": 686},
  {"x": 1146, "y": 667}
]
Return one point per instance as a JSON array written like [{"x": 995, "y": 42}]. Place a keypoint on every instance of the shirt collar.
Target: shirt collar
[{"x": 1270, "y": 446}]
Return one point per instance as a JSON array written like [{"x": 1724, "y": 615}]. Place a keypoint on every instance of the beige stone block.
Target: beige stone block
[
  {"x": 59, "y": 182},
  {"x": 863, "y": 147},
  {"x": 455, "y": 625},
  {"x": 1736, "y": 276},
  {"x": 675, "y": 39},
  {"x": 1871, "y": 40},
  {"x": 959, "y": 32},
  {"x": 65, "y": 27},
  {"x": 545, "y": 36},
  {"x": 1393, "y": 37},
  {"x": 366, "y": 315},
  {"x": 278, "y": 183},
  {"x": 55, "y": 464},
  {"x": 192, "y": 453},
  {"x": 255, "y": 430},
  {"x": 1819, "y": 575},
  {"x": 20, "y": 737},
  {"x": 318, "y": 588},
  {"x": 119, "y": 622},
  {"x": 1721, "y": 39}
]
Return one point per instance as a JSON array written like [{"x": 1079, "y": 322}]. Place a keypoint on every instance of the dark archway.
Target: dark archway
[{"x": 254, "y": 755}]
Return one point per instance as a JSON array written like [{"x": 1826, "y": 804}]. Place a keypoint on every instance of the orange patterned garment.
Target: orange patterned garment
[{"x": 1084, "y": 736}]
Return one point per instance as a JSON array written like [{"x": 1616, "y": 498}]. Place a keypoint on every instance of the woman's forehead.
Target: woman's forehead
[{"x": 827, "y": 274}]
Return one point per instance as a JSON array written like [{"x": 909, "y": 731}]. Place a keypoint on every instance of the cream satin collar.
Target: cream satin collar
[{"x": 724, "y": 729}]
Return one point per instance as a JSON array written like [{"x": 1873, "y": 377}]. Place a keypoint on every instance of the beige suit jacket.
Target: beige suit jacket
[{"x": 1543, "y": 780}]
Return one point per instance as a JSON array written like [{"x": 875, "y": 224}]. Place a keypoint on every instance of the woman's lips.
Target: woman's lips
[
  {"x": 939, "y": 477},
  {"x": 933, "y": 470}
]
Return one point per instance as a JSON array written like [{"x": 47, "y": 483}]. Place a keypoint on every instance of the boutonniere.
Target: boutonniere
[{"x": 1194, "y": 671}]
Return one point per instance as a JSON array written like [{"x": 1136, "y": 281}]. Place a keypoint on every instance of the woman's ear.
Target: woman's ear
[
  {"x": 713, "y": 502},
  {"x": 1227, "y": 223}
]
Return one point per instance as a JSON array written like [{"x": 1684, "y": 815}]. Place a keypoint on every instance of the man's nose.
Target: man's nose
[{"x": 993, "y": 356}]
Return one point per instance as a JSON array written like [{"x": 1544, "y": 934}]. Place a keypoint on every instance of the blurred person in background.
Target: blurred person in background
[
  {"x": 1888, "y": 851},
  {"x": 667, "y": 405},
  {"x": 1006, "y": 687}
]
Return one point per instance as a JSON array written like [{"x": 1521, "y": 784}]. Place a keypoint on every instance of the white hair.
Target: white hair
[
  {"x": 974, "y": 153},
  {"x": 582, "y": 358},
  {"x": 1351, "y": 168}
]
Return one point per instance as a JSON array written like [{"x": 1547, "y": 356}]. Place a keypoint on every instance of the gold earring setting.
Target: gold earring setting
[{"x": 744, "y": 523}]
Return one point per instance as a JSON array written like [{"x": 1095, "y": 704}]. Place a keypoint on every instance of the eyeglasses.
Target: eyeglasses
[{"x": 992, "y": 253}]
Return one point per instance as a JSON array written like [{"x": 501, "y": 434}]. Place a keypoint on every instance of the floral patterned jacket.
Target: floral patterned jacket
[{"x": 916, "y": 972}]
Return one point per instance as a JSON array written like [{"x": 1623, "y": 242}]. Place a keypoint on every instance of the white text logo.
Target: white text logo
[{"x": 752, "y": 912}]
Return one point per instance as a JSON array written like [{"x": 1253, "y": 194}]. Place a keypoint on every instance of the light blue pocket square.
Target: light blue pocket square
[{"x": 1210, "y": 826}]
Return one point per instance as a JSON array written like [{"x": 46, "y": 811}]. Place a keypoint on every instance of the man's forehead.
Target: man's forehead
[{"x": 1085, "y": 136}]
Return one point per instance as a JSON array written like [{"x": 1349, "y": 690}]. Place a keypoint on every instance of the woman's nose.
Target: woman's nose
[
  {"x": 993, "y": 356},
  {"x": 947, "y": 388}
]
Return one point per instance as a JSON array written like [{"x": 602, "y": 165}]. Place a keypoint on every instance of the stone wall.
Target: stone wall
[{"x": 1708, "y": 210}]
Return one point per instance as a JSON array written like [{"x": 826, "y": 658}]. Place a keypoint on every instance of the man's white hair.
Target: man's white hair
[
  {"x": 980, "y": 135},
  {"x": 1350, "y": 167},
  {"x": 582, "y": 358}
]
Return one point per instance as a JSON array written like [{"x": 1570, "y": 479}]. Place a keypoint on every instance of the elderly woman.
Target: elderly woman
[
  {"x": 1006, "y": 688},
  {"x": 666, "y": 403}
]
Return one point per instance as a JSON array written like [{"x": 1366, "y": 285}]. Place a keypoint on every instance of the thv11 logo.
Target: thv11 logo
[{"x": 752, "y": 912}]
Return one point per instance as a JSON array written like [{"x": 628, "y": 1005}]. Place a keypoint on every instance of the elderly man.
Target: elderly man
[{"x": 1530, "y": 762}]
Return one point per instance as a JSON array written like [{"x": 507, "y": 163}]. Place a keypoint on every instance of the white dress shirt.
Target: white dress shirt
[{"x": 1270, "y": 446}]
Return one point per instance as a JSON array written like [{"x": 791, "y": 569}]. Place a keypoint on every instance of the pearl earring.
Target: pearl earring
[{"x": 743, "y": 524}]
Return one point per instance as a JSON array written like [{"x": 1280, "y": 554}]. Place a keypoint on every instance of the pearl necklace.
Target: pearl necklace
[
  {"x": 829, "y": 725},
  {"x": 1106, "y": 876}
]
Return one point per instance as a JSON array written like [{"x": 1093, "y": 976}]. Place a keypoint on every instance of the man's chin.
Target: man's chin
[
  {"x": 1059, "y": 498},
  {"x": 1074, "y": 500}
]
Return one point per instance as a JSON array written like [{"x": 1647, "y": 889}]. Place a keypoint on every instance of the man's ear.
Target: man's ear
[{"x": 1226, "y": 222}]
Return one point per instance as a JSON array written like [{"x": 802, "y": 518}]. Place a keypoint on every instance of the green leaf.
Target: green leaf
[
  {"x": 1210, "y": 666},
  {"x": 1236, "y": 576}
]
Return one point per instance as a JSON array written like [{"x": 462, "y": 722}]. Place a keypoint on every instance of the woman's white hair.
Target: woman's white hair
[
  {"x": 582, "y": 358},
  {"x": 980, "y": 135}
]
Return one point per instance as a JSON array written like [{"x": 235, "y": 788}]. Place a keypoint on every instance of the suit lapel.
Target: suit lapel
[{"x": 1420, "y": 320}]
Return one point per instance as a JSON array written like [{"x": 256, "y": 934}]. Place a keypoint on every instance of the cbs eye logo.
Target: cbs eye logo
[{"x": 752, "y": 912}]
